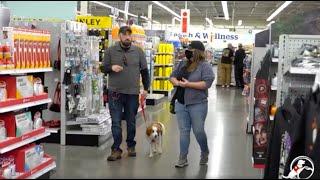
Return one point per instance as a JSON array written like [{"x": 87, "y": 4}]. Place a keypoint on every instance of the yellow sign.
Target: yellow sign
[{"x": 99, "y": 22}]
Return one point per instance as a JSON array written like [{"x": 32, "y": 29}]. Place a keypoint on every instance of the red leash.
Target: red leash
[{"x": 142, "y": 100}]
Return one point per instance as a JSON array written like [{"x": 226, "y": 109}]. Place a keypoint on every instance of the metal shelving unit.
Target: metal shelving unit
[{"x": 289, "y": 46}]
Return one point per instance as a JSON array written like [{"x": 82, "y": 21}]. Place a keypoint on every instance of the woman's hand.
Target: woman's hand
[{"x": 184, "y": 83}]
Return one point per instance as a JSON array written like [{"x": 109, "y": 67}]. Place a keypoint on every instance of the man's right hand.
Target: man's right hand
[{"x": 116, "y": 68}]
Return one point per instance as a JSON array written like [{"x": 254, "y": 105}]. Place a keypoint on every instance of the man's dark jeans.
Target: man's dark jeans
[{"x": 130, "y": 104}]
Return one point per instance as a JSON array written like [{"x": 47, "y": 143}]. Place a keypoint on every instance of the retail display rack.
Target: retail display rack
[
  {"x": 24, "y": 61},
  {"x": 85, "y": 120},
  {"x": 163, "y": 67},
  {"x": 298, "y": 78}
]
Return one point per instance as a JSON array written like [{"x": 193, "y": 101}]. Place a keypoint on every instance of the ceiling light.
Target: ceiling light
[
  {"x": 271, "y": 23},
  {"x": 143, "y": 17},
  {"x": 177, "y": 19},
  {"x": 274, "y": 14},
  {"x": 209, "y": 21},
  {"x": 108, "y": 6},
  {"x": 166, "y": 8},
  {"x": 225, "y": 9},
  {"x": 239, "y": 22},
  {"x": 156, "y": 22}
]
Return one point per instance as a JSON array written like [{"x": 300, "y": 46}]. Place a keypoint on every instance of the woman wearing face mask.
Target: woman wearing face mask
[{"x": 192, "y": 104}]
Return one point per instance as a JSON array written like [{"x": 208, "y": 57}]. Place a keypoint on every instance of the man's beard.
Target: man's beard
[{"x": 126, "y": 43}]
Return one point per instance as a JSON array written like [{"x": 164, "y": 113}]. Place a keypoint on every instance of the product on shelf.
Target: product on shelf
[
  {"x": 24, "y": 123},
  {"x": 27, "y": 157},
  {"x": 26, "y": 48},
  {"x": 37, "y": 87},
  {"x": 10, "y": 124},
  {"x": 20, "y": 86},
  {"x": 3, "y": 131},
  {"x": 37, "y": 121},
  {"x": 7, "y": 167},
  {"x": 3, "y": 91}
]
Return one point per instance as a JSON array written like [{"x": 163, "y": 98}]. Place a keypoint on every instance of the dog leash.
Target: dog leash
[{"x": 142, "y": 100}]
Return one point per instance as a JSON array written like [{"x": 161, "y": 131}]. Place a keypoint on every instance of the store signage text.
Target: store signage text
[
  {"x": 226, "y": 37},
  {"x": 197, "y": 35},
  {"x": 99, "y": 22}
]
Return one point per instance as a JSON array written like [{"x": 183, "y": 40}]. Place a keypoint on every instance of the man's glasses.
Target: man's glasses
[{"x": 124, "y": 59}]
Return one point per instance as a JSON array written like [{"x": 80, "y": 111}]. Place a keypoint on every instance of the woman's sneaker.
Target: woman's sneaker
[
  {"x": 181, "y": 163},
  {"x": 204, "y": 158}
]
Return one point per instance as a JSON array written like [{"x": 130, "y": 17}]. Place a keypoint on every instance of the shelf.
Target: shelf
[
  {"x": 15, "y": 142},
  {"x": 274, "y": 88},
  {"x": 47, "y": 165},
  {"x": 275, "y": 60},
  {"x": 163, "y": 65},
  {"x": 298, "y": 70},
  {"x": 80, "y": 132},
  {"x": 160, "y": 77},
  {"x": 27, "y": 102},
  {"x": 21, "y": 71},
  {"x": 160, "y": 90},
  {"x": 52, "y": 130},
  {"x": 165, "y": 54}
]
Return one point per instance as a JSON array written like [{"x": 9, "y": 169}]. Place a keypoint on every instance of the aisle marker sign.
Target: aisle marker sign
[
  {"x": 99, "y": 22},
  {"x": 185, "y": 20}
]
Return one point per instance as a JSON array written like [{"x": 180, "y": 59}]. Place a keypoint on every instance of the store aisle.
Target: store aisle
[{"x": 230, "y": 148}]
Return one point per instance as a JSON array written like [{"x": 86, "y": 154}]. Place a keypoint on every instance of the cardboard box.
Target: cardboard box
[
  {"x": 24, "y": 123},
  {"x": 18, "y": 86}
]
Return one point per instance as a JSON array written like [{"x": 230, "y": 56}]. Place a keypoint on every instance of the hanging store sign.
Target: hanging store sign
[
  {"x": 99, "y": 22},
  {"x": 185, "y": 20},
  {"x": 191, "y": 36}
]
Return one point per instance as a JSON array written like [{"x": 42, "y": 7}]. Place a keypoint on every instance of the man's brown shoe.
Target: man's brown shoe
[
  {"x": 132, "y": 152},
  {"x": 115, "y": 155}
]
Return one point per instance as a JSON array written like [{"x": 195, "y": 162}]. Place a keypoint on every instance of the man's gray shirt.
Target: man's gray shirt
[{"x": 128, "y": 80}]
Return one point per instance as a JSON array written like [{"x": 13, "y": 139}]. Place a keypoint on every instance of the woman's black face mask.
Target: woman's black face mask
[{"x": 188, "y": 54}]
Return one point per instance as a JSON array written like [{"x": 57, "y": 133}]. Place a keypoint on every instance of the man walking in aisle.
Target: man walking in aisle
[
  {"x": 124, "y": 63},
  {"x": 238, "y": 66},
  {"x": 226, "y": 65}
]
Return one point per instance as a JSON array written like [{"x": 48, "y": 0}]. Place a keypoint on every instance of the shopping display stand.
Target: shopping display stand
[
  {"x": 86, "y": 128},
  {"x": 37, "y": 103},
  {"x": 292, "y": 77}
]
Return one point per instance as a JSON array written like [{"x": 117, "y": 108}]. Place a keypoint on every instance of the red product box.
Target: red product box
[
  {"x": 10, "y": 123},
  {"x": 20, "y": 157},
  {"x": 18, "y": 87}
]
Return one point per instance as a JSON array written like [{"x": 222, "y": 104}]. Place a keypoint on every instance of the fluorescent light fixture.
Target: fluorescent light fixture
[
  {"x": 271, "y": 23},
  {"x": 225, "y": 9},
  {"x": 177, "y": 19},
  {"x": 209, "y": 21},
  {"x": 108, "y": 6},
  {"x": 166, "y": 8},
  {"x": 156, "y": 22},
  {"x": 143, "y": 17},
  {"x": 274, "y": 14},
  {"x": 239, "y": 22}
]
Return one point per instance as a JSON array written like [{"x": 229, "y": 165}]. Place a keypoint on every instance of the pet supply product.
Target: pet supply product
[
  {"x": 38, "y": 87},
  {"x": 20, "y": 86},
  {"x": 3, "y": 131},
  {"x": 37, "y": 121},
  {"x": 24, "y": 123},
  {"x": 3, "y": 91}
]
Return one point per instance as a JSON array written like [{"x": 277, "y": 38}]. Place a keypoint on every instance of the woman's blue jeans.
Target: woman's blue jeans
[{"x": 194, "y": 116}]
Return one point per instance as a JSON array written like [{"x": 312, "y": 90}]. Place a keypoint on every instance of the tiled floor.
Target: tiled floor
[{"x": 230, "y": 147}]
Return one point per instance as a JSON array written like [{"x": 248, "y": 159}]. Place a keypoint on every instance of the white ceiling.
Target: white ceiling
[{"x": 252, "y": 13}]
